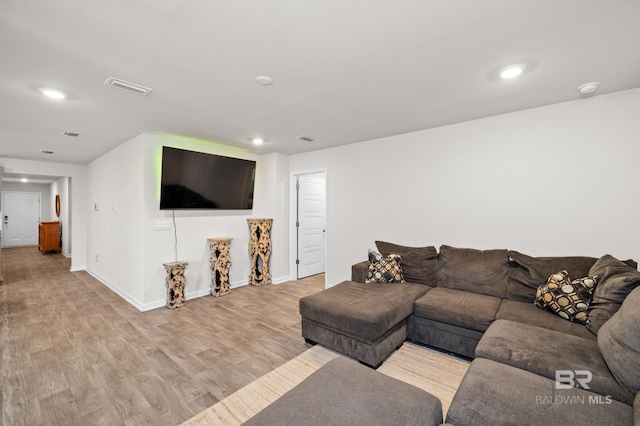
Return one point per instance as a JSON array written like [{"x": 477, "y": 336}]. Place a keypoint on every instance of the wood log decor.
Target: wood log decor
[
  {"x": 220, "y": 263},
  {"x": 176, "y": 282},
  {"x": 260, "y": 250}
]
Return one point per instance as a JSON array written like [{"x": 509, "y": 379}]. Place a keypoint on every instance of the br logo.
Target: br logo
[{"x": 567, "y": 379}]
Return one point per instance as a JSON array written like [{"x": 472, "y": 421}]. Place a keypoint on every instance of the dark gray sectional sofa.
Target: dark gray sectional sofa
[{"x": 480, "y": 304}]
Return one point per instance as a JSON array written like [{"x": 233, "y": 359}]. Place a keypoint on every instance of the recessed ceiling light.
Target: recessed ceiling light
[
  {"x": 264, "y": 80},
  {"x": 52, "y": 93},
  {"x": 588, "y": 88},
  {"x": 24, "y": 180},
  {"x": 257, "y": 141},
  {"x": 45, "y": 151},
  {"x": 511, "y": 71}
]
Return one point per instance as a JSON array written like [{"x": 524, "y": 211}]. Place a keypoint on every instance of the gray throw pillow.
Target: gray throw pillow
[
  {"x": 419, "y": 264},
  {"x": 477, "y": 271},
  {"x": 619, "y": 343},
  {"x": 616, "y": 281}
]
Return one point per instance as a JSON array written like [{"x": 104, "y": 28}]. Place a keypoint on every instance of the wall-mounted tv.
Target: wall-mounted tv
[{"x": 196, "y": 180}]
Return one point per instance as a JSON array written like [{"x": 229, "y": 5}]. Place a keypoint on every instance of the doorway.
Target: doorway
[
  {"x": 21, "y": 215},
  {"x": 309, "y": 211}
]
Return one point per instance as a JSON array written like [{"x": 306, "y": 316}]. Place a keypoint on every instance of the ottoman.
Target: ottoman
[
  {"x": 343, "y": 392},
  {"x": 364, "y": 321}
]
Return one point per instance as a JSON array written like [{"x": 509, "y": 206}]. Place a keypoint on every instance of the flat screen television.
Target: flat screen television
[{"x": 197, "y": 180}]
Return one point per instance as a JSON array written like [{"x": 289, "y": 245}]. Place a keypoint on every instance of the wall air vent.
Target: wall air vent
[
  {"x": 306, "y": 138},
  {"x": 72, "y": 134},
  {"x": 128, "y": 86}
]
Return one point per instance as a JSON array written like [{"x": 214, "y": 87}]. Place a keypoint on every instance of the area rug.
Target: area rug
[{"x": 435, "y": 372}]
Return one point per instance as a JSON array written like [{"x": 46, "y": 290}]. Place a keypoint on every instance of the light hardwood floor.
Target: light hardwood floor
[{"x": 74, "y": 352}]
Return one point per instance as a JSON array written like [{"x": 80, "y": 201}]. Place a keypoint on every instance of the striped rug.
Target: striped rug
[{"x": 435, "y": 372}]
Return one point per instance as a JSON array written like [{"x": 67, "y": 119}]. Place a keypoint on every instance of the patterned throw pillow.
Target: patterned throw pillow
[
  {"x": 384, "y": 269},
  {"x": 569, "y": 299}
]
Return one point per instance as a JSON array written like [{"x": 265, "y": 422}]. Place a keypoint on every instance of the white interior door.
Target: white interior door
[
  {"x": 311, "y": 224},
  {"x": 21, "y": 211}
]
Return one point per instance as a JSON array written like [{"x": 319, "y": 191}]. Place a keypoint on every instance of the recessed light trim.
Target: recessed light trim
[
  {"x": 588, "y": 88},
  {"x": 264, "y": 80},
  {"x": 512, "y": 71},
  {"x": 52, "y": 93}
]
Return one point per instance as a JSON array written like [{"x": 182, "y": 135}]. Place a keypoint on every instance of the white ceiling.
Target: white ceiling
[{"x": 343, "y": 71}]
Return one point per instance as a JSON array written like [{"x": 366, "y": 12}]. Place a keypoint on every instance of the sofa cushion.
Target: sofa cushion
[
  {"x": 544, "y": 352},
  {"x": 385, "y": 269},
  {"x": 477, "y": 271},
  {"x": 619, "y": 342},
  {"x": 492, "y": 393},
  {"x": 617, "y": 280},
  {"x": 529, "y": 273},
  {"x": 457, "y": 307},
  {"x": 343, "y": 392},
  {"x": 528, "y": 313},
  {"x": 419, "y": 264},
  {"x": 569, "y": 299},
  {"x": 363, "y": 310}
]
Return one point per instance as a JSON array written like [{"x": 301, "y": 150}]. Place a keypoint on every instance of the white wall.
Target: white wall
[
  {"x": 61, "y": 187},
  {"x": 131, "y": 253},
  {"x": 116, "y": 212},
  {"x": 555, "y": 180},
  {"x": 78, "y": 193}
]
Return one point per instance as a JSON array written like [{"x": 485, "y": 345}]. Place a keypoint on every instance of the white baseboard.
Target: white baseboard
[
  {"x": 143, "y": 307},
  {"x": 281, "y": 280},
  {"x": 118, "y": 291}
]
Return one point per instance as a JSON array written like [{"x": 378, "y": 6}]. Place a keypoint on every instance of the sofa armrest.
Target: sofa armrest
[{"x": 359, "y": 271}]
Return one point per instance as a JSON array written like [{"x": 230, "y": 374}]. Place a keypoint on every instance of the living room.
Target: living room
[
  {"x": 553, "y": 178},
  {"x": 519, "y": 180}
]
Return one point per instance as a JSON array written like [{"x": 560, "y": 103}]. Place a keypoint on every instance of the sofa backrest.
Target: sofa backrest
[
  {"x": 528, "y": 273},
  {"x": 616, "y": 280},
  {"x": 419, "y": 264},
  {"x": 619, "y": 343},
  {"x": 476, "y": 271}
]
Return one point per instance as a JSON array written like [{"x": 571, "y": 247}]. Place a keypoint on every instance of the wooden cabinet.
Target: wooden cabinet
[{"x": 49, "y": 237}]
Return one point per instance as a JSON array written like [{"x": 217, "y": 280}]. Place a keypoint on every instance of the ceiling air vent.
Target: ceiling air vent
[
  {"x": 72, "y": 134},
  {"x": 306, "y": 138},
  {"x": 128, "y": 86}
]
